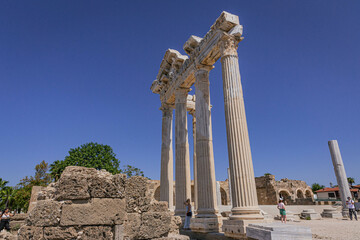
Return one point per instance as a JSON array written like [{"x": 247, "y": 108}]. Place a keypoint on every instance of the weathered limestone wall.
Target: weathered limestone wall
[
  {"x": 90, "y": 204},
  {"x": 294, "y": 192}
]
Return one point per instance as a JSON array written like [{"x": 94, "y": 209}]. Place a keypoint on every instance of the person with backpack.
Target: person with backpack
[{"x": 188, "y": 215}]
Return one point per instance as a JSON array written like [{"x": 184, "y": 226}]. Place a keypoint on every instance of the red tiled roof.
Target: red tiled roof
[
  {"x": 356, "y": 186},
  {"x": 333, "y": 190}
]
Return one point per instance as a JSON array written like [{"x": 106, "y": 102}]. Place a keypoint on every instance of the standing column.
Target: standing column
[
  {"x": 243, "y": 188},
  {"x": 194, "y": 160},
  {"x": 182, "y": 164},
  {"x": 340, "y": 174},
  {"x": 166, "y": 178},
  {"x": 207, "y": 206}
]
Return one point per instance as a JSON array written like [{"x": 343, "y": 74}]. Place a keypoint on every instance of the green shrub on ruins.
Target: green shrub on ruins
[{"x": 92, "y": 155}]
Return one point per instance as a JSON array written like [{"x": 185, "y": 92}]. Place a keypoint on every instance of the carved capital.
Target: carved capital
[
  {"x": 228, "y": 46},
  {"x": 166, "y": 109},
  {"x": 181, "y": 95}
]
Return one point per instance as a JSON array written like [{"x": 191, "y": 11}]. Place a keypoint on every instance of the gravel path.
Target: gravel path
[{"x": 334, "y": 229}]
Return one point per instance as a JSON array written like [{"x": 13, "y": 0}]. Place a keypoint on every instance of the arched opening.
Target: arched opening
[
  {"x": 223, "y": 197},
  {"x": 308, "y": 193},
  {"x": 299, "y": 194},
  {"x": 157, "y": 194},
  {"x": 285, "y": 195}
]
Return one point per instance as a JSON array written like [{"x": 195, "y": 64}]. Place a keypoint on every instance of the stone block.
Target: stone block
[
  {"x": 5, "y": 235},
  {"x": 331, "y": 213},
  {"x": 96, "y": 233},
  {"x": 278, "y": 231},
  {"x": 59, "y": 233},
  {"x": 45, "y": 214},
  {"x": 73, "y": 183},
  {"x": 156, "y": 206},
  {"x": 105, "y": 211},
  {"x": 175, "y": 224},
  {"x": 137, "y": 194},
  {"x": 154, "y": 225},
  {"x": 173, "y": 237},
  {"x": 310, "y": 214},
  {"x": 31, "y": 233},
  {"x": 205, "y": 225},
  {"x": 105, "y": 185},
  {"x": 131, "y": 226}
]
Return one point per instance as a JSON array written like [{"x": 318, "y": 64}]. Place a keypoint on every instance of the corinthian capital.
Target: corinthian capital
[
  {"x": 181, "y": 95},
  {"x": 228, "y": 45}
]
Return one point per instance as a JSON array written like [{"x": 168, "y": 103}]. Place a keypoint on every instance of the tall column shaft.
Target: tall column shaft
[
  {"x": 194, "y": 161},
  {"x": 206, "y": 182},
  {"x": 339, "y": 171},
  {"x": 182, "y": 159},
  {"x": 166, "y": 176},
  {"x": 243, "y": 188}
]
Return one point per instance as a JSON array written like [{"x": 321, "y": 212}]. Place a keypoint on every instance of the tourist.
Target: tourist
[
  {"x": 5, "y": 219},
  {"x": 188, "y": 214},
  {"x": 281, "y": 207},
  {"x": 351, "y": 205}
]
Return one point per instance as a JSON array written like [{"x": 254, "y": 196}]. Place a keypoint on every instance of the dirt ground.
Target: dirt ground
[{"x": 334, "y": 229}]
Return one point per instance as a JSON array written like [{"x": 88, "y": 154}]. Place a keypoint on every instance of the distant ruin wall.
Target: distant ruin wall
[{"x": 294, "y": 192}]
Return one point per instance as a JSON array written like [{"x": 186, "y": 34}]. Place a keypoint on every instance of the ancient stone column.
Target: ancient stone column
[
  {"x": 166, "y": 176},
  {"x": 194, "y": 159},
  {"x": 340, "y": 174},
  {"x": 243, "y": 188},
  {"x": 207, "y": 206},
  {"x": 182, "y": 159}
]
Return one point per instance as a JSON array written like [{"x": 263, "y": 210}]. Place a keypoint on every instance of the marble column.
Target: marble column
[
  {"x": 166, "y": 176},
  {"x": 182, "y": 159},
  {"x": 340, "y": 174},
  {"x": 207, "y": 206},
  {"x": 243, "y": 188},
  {"x": 194, "y": 160}
]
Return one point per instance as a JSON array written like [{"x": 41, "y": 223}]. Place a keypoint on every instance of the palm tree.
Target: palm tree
[
  {"x": 8, "y": 197},
  {"x": 351, "y": 180}
]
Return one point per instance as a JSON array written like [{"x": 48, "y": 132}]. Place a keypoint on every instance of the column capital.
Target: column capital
[
  {"x": 203, "y": 67},
  {"x": 228, "y": 45},
  {"x": 166, "y": 106},
  {"x": 181, "y": 94}
]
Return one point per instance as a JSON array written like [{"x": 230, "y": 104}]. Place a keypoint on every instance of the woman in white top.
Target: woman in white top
[
  {"x": 351, "y": 205},
  {"x": 5, "y": 220},
  {"x": 188, "y": 215},
  {"x": 281, "y": 207}
]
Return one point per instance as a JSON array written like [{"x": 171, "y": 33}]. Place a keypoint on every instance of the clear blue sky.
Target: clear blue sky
[{"x": 72, "y": 72}]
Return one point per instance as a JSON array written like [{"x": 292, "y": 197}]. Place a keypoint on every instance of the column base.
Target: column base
[
  {"x": 237, "y": 228},
  {"x": 206, "y": 225}
]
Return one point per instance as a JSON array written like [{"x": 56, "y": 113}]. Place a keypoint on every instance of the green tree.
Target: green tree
[
  {"x": 316, "y": 186},
  {"x": 267, "y": 174},
  {"x": 132, "y": 171},
  {"x": 8, "y": 199},
  {"x": 22, "y": 193},
  {"x": 351, "y": 180},
  {"x": 93, "y": 155}
]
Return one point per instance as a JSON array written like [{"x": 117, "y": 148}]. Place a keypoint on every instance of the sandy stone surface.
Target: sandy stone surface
[{"x": 334, "y": 229}]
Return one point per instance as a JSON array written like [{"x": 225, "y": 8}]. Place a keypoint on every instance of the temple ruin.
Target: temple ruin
[{"x": 177, "y": 74}]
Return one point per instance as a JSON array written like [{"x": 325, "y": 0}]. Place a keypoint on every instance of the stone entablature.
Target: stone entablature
[{"x": 178, "y": 71}]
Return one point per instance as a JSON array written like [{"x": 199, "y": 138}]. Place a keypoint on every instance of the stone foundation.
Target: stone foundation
[{"x": 90, "y": 204}]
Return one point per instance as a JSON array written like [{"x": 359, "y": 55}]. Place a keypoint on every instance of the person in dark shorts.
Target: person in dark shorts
[{"x": 5, "y": 219}]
